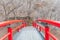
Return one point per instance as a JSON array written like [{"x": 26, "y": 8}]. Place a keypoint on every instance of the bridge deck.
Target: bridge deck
[{"x": 28, "y": 33}]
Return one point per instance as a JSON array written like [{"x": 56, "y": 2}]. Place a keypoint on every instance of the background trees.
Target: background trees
[{"x": 48, "y": 9}]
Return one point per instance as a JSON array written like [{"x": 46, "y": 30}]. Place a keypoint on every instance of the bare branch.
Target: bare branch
[
  {"x": 13, "y": 9},
  {"x": 9, "y": 2},
  {"x": 4, "y": 6}
]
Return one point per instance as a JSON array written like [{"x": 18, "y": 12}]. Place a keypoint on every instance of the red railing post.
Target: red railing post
[
  {"x": 25, "y": 24},
  {"x": 34, "y": 24},
  {"x": 46, "y": 33},
  {"x": 10, "y": 31}
]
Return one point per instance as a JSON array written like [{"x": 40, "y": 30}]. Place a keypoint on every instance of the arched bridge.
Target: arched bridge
[{"x": 33, "y": 32}]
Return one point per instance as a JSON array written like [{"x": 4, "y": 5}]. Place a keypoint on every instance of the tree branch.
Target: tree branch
[{"x": 13, "y": 9}]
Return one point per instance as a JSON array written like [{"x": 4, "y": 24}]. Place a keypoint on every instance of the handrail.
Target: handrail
[
  {"x": 39, "y": 27},
  {"x": 10, "y": 30},
  {"x": 2, "y": 24},
  {"x": 52, "y": 22},
  {"x": 5, "y": 36},
  {"x": 46, "y": 28},
  {"x": 51, "y": 35}
]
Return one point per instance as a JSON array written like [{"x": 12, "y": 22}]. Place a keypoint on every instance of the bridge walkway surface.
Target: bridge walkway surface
[{"x": 28, "y": 33}]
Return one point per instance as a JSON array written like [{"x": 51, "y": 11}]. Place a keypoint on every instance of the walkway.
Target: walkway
[{"x": 28, "y": 33}]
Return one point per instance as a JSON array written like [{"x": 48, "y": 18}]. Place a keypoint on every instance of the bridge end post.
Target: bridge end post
[
  {"x": 46, "y": 33},
  {"x": 10, "y": 31}
]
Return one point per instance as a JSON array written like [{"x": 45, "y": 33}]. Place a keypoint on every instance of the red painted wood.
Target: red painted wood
[
  {"x": 3, "y": 24},
  {"x": 10, "y": 37},
  {"x": 52, "y": 36},
  {"x": 5, "y": 36},
  {"x": 46, "y": 29},
  {"x": 10, "y": 30},
  {"x": 46, "y": 33},
  {"x": 52, "y": 22}
]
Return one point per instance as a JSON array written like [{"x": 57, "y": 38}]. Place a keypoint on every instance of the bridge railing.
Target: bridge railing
[
  {"x": 46, "y": 28},
  {"x": 10, "y": 30}
]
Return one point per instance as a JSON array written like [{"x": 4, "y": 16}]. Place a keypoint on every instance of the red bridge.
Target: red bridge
[{"x": 35, "y": 29}]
